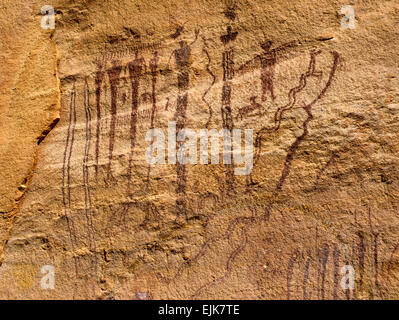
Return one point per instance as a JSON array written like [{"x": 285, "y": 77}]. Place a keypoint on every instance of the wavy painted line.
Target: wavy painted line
[
  {"x": 154, "y": 74},
  {"x": 252, "y": 220},
  {"x": 207, "y": 90},
  {"x": 292, "y": 101},
  {"x": 66, "y": 194},
  {"x": 375, "y": 255},
  {"x": 305, "y": 278},
  {"x": 290, "y": 272},
  {"x": 229, "y": 267},
  {"x": 100, "y": 74},
  {"x": 113, "y": 74},
  {"x": 336, "y": 256},
  {"x": 88, "y": 203},
  {"x": 322, "y": 170},
  {"x": 295, "y": 145}
]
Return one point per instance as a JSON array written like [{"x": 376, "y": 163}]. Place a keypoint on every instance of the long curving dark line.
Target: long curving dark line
[
  {"x": 98, "y": 82},
  {"x": 253, "y": 220},
  {"x": 88, "y": 203},
  {"x": 229, "y": 267},
  {"x": 113, "y": 74},
  {"x": 307, "y": 108},
  {"x": 290, "y": 272},
  {"x": 154, "y": 73},
  {"x": 66, "y": 195},
  {"x": 306, "y": 277},
  {"x": 210, "y": 87},
  {"x": 292, "y": 97}
]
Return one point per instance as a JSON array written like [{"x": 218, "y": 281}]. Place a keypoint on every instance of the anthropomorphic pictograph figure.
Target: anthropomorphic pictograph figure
[
  {"x": 250, "y": 108},
  {"x": 137, "y": 69},
  {"x": 227, "y": 114},
  {"x": 154, "y": 75},
  {"x": 183, "y": 60},
  {"x": 66, "y": 176},
  {"x": 99, "y": 79},
  {"x": 86, "y": 182},
  {"x": 267, "y": 60},
  {"x": 114, "y": 78}
]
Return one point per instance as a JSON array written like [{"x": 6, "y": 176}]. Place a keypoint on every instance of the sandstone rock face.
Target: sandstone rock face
[
  {"x": 30, "y": 103},
  {"x": 79, "y": 199}
]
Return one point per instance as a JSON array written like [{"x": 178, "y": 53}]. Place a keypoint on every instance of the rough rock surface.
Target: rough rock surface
[{"x": 78, "y": 194}]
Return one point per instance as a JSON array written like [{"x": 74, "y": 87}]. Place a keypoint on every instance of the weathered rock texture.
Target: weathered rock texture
[{"x": 80, "y": 196}]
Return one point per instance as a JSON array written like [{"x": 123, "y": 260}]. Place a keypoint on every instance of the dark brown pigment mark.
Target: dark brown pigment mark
[
  {"x": 178, "y": 31},
  {"x": 229, "y": 264},
  {"x": 136, "y": 69},
  {"x": 347, "y": 292},
  {"x": 210, "y": 87},
  {"x": 306, "y": 277},
  {"x": 167, "y": 104},
  {"x": 113, "y": 74},
  {"x": 100, "y": 74},
  {"x": 230, "y": 11},
  {"x": 86, "y": 187},
  {"x": 290, "y": 272},
  {"x": 307, "y": 107},
  {"x": 227, "y": 115},
  {"x": 66, "y": 167},
  {"x": 294, "y": 147},
  {"x": 46, "y": 131},
  {"x": 395, "y": 248},
  {"x": 229, "y": 36},
  {"x": 247, "y": 221},
  {"x": 375, "y": 245},
  {"x": 268, "y": 61},
  {"x": 389, "y": 267},
  {"x": 317, "y": 260},
  {"x": 292, "y": 97},
  {"x": 182, "y": 57},
  {"x": 278, "y": 117},
  {"x": 323, "y": 259},
  {"x": 250, "y": 108},
  {"x": 336, "y": 255},
  {"x": 154, "y": 74},
  {"x": 323, "y": 169},
  {"x": 361, "y": 248},
  {"x": 250, "y": 220},
  {"x": 151, "y": 214}
]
